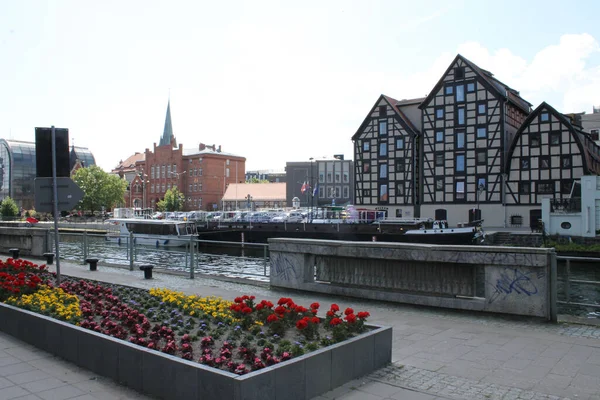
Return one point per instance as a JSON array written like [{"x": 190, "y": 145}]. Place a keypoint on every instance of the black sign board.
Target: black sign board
[{"x": 43, "y": 152}]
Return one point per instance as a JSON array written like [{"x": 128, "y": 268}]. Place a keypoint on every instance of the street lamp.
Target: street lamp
[
  {"x": 480, "y": 189},
  {"x": 312, "y": 190}
]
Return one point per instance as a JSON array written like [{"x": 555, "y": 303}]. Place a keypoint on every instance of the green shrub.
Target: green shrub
[{"x": 9, "y": 208}]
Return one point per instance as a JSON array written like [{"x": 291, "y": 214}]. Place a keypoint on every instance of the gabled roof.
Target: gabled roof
[
  {"x": 168, "y": 131},
  {"x": 501, "y": 89},
  {"x": 393, "y": 103},
  {"x": 129, "y": 163},
  {"x": 587, "y": 146},
  {"x": 258, "y": 191}
]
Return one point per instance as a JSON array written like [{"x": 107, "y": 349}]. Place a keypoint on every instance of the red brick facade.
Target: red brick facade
[{"x": 201, "y": 175}]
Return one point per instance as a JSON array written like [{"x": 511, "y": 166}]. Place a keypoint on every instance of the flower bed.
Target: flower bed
[{"x": 241, "y": 337}]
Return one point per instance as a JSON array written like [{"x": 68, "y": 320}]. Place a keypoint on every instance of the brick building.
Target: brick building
[{"x": 202, "y": 174}]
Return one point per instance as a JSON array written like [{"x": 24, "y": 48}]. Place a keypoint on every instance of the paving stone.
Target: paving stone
[
  {"x": 12, "y": 392},
  {"x": 61, "y": 393},
  {"x": 29, "y": 376},
  {"x": 42, "y": 385}
]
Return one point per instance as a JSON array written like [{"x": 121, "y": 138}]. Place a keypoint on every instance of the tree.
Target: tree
[
  {"x": 173, "y": 201},
  {"x": 9, "y": 208},
  {"x": 256, "y": 180},
  {"x": 100, "y": 188}
]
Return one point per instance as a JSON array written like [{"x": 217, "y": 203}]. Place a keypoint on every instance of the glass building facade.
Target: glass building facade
[{"x": 18, "y": 169}]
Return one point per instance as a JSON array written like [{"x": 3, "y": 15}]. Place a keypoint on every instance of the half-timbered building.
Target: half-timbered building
[
  {"x": 385, "y": 157},
  {"x": 469, "y": 120},
  {"x": 549, "y": 153}
]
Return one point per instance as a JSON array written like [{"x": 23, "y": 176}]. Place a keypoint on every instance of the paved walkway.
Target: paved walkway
[{"x": 437, "y": 354}]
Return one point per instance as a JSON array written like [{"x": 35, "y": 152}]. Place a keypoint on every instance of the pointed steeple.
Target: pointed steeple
[{"x": 167, "y": 135}]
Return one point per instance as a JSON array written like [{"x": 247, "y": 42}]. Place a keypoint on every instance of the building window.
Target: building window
[
  {"x": 330, "y": 192},
  {"x": 346, "y": 191},
  {"x": 524, "y": 187},
  {"x": 439, "y": 136},
  {"x": 337, "y": 177},
  {"x": 195, "y": 187},
  {"x": 152, "y": 189},
  {"x": 338, "y": 192},
  {"x": 168, "y": 186},
  {"x": 400, "y": 165},
  {"x": 481, "y": 132},
  {"x": 544, "y": 117},
  {"x": 439, "y": 113},
  {"x": 534, "y": 139},
  {"x": 322, "y": 177},
  {"x": 346, "y": 176},
  {"x": 460, "y": 93},
  {"x": 460, "y": 163},
  {"x": 460, "y": 140},
  {"x": 366, "y": 167},
  {"x": 554, "y": 138},
  {"x": 399, "y": 143},
  {"x": 321, "y": 192},
  {"x": 382, "y": 149},
  {"x": 471, "y": 87},
  {"x": 366, "y": 146},
  {"x": 545, "y": 187},
  {"x": 329, "y": 177},
  {"x": 383, "y": 193},
  {"x": 565, "y": 187},
  {"x": 439, "y": 183},
  {"x": 565, "y": 161},
  {"x": 163, "y": 187},
  {"x": 152, "y": 172},
  {"x": 449, "y": 89},
  {"x": 382, "y": 128},
  {"x": 481, "y": 157},
  {"x": 382, "y": 111},
  {"x": 459, "y": 73},
  {"x": 460, "y": 116},
  {"x": 191, "y": 161},
  {"x": 481, "y": 108},
  {"x": 460, "y": 190},
  {"x": 190, "y": 189},
  {"x": 163, "y": 171},
  {"x": 366, "y": 193},
  {"x": 175, "y": 168},
  {"x": 545, "y": 162},
  {"x": 439, "y": 159},
  {"x": 383, "y": 171},
  {"x": 399, "y": 189},
  {"x": 200, "y": 187},
  {"x": 169, "y": 169},
  {"x": 594, "y": 134},
  {"x": 199, "y": 173},
  {"x": 525, "y": 163}
]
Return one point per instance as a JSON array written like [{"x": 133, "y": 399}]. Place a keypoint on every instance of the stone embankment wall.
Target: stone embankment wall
[
  {"x": 30, "y": 241},
  {"x": 507, "y": 280}
]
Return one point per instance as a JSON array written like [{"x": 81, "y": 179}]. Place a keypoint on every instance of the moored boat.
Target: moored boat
[{"x": 152, "y": 232}]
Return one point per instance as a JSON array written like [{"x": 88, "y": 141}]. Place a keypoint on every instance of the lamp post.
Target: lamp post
[
  {"x": 480, "y": 189},
  {"x": 311, "y": 189},
  {"x": 504, "y": 183},
  {"x": 249, "y": 202}
]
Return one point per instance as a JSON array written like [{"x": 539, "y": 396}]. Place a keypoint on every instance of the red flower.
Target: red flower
[
  {"x": 349, "y": 311},
  {"x": 259, "y": 306},
  {"x": 315, "y": 320},
  {"x": 315, "y": 306},
  {"x": 330, "y": 313},
  {"x": 272, "y": 318},
  {"x": 246, "y": 310},
  {"x": 335, "y": 307},
  {"x": 335, "y": 321},
  {"x": 363, "y": 314},
  {"x": 351, "y": 318},
  {"x": 280, "y": 310},
  {"x": 302, "y": 324}
]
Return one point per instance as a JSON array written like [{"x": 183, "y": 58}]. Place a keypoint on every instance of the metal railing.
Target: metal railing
[
  {"x": 568, "y": 279},
  {"x": 571, "y": 205},
  {"x": 250, "y": 259}
]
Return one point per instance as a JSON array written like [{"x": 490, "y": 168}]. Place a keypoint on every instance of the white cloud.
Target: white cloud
[{"x": 559, "y": 74}]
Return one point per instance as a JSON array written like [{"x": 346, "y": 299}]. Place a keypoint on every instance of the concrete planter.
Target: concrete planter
[{"x": 169, "y": 377}]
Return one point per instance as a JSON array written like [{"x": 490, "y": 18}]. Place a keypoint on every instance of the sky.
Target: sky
[{"x": 271, "y": 81}]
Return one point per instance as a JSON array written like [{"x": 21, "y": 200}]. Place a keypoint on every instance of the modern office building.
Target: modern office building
[{"x": 18, "y": 169}]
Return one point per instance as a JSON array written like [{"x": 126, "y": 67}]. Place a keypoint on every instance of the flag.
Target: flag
[
  {"x": 316, "y": 189},
  {"x": 303, "y": 188}
]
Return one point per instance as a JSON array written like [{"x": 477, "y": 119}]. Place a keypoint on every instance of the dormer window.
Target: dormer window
[{"x": 459, "y": 73}]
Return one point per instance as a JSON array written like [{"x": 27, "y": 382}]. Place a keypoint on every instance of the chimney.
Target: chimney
[
  {"x": 219, "y": 149},
  {"x": 202, "y": 146}
]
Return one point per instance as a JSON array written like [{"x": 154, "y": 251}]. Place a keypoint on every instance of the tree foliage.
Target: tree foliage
[
  {"x": 9, "y": 208},
  {"x": 101, "y": 188},
  {"x": 173, "y": 201},
  {"x": 256, "y": 180}
]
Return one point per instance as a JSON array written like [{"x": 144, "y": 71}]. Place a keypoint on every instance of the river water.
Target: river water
[
  {"x": 252, "y": 262},
  {"x": 229, "y": 260}
]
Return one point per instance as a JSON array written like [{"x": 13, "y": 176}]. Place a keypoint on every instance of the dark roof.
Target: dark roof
[
  {"x": 588, "y": 147},
  {"x": 502, "y": 89},
  {"x": 168, "y": 131},
  {"x": 407, "y": 102},
  {"x": 393, "y": 103}
]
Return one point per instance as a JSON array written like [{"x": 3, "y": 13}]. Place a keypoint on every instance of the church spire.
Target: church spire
[{"x": 167, "y": 135}]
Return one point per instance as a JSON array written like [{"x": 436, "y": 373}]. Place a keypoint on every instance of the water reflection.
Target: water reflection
[{"x": 228, "y": 260}]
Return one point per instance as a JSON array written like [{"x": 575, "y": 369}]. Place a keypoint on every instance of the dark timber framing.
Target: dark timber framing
[
  {"x": 548, "y": 154},
  {"x": 478, "y": 116},
  {"x": 384, "y": 157}
]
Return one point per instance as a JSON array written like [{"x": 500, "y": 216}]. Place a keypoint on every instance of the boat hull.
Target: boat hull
[{"x": 260, "y": 233}]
